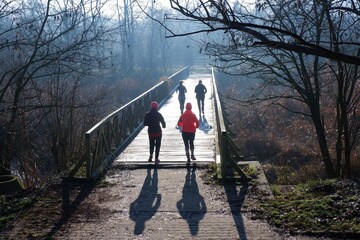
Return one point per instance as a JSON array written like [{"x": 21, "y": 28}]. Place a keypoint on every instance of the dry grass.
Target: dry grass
[{"x": 284, "y": 142}]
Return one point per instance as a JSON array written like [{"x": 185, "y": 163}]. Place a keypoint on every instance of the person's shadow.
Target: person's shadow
[
  {"x": 204, "y": 125},
  {"x": 147, "y": 203},
  {"x": 192, "y": 206},
  {"x": 236, "y": 198}
]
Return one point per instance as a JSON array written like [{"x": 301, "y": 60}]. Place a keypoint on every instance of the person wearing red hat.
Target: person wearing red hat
[
  {"x": 152, "y": 120},
  {"x": 189, "y": 123}
]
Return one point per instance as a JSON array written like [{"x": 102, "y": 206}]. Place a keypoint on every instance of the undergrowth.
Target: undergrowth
[
  {"x": 318, "y": 207},
  {"x": 10, "y": 206},
  {"x": 326, "y": 207}
]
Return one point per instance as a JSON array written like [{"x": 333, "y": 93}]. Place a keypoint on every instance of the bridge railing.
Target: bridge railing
[
  {"x": 226, "y": 151},
  {"x": 105, "y": 140}
]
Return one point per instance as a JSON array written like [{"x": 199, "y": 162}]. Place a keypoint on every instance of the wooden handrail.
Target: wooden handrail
[
  {"x": 105, "y": 140},
  {"x": 226, "y": 153}
]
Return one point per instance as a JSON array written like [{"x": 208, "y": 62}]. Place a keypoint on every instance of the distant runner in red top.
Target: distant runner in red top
[{"x": 189, "y": 123}]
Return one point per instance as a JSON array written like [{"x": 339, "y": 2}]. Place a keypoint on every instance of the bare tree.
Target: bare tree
[
  {"x": 220, "y": 15},
  {"x": 126, "y": 27},
  {"x": 49, "y": 48},
  {"x": 291, "y": 45}
]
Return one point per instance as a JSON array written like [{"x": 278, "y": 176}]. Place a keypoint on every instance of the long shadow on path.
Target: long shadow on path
[
  {"x": 192, "y": 206},
  {"x": 204, "y": 125},
  {"x": 81, "y": 191},
  {"x": 147, "y": 203},
  {"x": 236, "y": 200}
]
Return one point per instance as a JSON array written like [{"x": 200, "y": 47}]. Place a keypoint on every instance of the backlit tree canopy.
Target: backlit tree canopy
[{"x": 258, "y": 24}]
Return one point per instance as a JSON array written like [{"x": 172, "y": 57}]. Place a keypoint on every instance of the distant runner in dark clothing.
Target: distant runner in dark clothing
[
  {"x": 182, "y": 90},
  {"x": 200, "y": 91},
  {"x": 153, "y": 119}
]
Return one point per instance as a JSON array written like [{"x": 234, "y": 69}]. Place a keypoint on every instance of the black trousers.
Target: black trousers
[
  {"x": 188, "y": 139},
  {"x": 182, "y": 103},
  {"x": 155, "y": 142},
  {"x": 200, "y": 103}
]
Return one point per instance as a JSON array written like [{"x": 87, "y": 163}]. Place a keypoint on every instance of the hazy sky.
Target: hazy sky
[{"x": 111, "y": 5}]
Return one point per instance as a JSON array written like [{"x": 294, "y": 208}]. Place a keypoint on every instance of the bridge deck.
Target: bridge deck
[{"x": 172, "y": 148}]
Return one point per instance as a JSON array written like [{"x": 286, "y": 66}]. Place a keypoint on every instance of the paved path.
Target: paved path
[{"x": 164, "y": 203}]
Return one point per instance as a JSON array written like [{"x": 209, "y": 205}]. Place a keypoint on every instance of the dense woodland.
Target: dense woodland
[
  {"x": 293, "y": 96},
  {"x": 66, "y": 64}
]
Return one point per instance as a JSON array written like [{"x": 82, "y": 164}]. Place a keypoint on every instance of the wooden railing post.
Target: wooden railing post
[
  {"x": 225, "y": 150},
  {"x": 221, "y": 130},
  {"x": 88, "y": 155}
]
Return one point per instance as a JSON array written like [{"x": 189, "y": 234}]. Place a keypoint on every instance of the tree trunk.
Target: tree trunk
[
  {"x": 4, "y": 164},
  {"x": 320, "y": 131}
]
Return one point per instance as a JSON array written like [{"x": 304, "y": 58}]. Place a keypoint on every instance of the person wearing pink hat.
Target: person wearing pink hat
[
  {"x": 189, "y": 123},
  {"x": 152, "y": 120}
]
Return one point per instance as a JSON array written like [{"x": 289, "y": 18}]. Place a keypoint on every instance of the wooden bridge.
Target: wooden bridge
[
  {"x": 172, "y": 149},
  {"x": 121, "y": 136}
]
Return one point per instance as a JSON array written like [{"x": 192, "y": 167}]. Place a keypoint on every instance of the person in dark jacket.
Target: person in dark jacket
[
  {"x": 189, "y": 123},
  {"x": 200, "y": 91},
  {"x": 181, "y": 89},
  {"x": 153, "y": 119}
]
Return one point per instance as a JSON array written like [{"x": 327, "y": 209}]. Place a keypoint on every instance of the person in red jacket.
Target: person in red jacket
[
  {"x": 153, "y": 119},
  {"x": 189, "y": 123}
]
